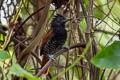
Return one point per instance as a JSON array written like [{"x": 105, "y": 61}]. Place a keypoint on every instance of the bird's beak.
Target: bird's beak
[{"x": 67, "y": 19}]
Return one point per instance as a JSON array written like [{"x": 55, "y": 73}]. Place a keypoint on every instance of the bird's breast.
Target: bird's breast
[
  {"x": 61, "y": 35},
  {"x": 55, "y": 42}
]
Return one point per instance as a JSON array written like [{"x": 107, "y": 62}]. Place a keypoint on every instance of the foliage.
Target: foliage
[
  {"x": 4, "y": 55},
  {"x": 93, "y": 35},
  {"x": 17, "y": 70},
  {"x": 108, "y": 57}
]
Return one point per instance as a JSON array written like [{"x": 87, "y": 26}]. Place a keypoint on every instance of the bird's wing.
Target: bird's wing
[{"x": 46, "y": 38}]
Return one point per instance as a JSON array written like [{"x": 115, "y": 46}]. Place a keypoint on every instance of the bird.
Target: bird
[{"x": 54, "y": 39}]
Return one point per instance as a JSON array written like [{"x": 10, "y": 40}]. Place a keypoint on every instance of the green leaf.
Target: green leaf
[
  {"x": 109, "y": 57},
  {"x": 17, "y": 70},
  {"x": 97, "y": 13},
  {"x": 4, "y": 55},
  {"x": 85, "y": 4},
  {"x": 99, "y": 2},
  {"x": 83, "y": 25}
]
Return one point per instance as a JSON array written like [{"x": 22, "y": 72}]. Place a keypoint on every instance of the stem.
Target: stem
[
  {"x": 18, "y": 12},
  {"x": 11, "y": 27}
]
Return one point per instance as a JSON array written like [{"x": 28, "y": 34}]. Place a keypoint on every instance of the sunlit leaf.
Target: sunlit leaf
[
  {"x": 4, "y": 55},
  {"x": 83, "y": 25},
  {"x": 109, "y": 57},
  {"x": 17, "y": 70},
  {"x": 97, "y": 13}
]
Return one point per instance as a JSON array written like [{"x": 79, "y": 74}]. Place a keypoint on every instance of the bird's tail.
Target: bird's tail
[{"x": 44, "y": 61}]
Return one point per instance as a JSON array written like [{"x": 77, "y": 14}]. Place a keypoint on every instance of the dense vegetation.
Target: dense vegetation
[{"x": 93, "y": 37}]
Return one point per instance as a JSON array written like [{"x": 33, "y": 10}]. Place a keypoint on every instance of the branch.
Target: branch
[
  {"x": 31, "y": 16},
  {"x": 23, "y": 45},
  {"x": 84, "y": 10},
  {"x": 106, "y": 32},
  {"x": 58, "y": 54},
  {"x": 25, "y": 53}
]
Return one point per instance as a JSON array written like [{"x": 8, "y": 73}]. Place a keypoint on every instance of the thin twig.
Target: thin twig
[
  {"x": 110, "y": 74},
  {"x": 84, "y": 10},
  {"x": 31, "y": 16},
  {"x": 106, "y": 32},
  {"x": 107, "y": 13}
]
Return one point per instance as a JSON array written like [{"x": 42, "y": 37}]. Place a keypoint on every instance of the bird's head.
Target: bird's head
[{"x": 59, "y": 21}]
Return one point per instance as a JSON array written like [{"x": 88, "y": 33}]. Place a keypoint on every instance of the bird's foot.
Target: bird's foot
[
  {"x": 51, "y": 57},
  {"x": 66, "y": 47}
]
